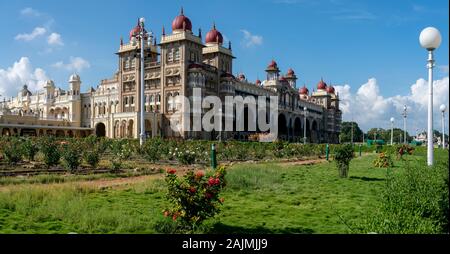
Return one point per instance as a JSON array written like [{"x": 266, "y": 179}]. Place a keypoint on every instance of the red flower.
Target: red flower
[
  {"x": 166, "y": 213},
  {"x": 192, "y": 190},
  {"x": 217, "y": 181},
  {"x": 174, "y": 217},
  {"x": 199, "y": 174},
  {"x": 208, "y": 195},
  {"x": 211, "y": 181},
  {"x": 171, "y": 171}
]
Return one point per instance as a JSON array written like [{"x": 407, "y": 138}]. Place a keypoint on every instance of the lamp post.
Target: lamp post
[
  {"x": 305, "y": 110},
  {"x": 142, "y": 37},
  {"x": 430, "y": 39},
  {"x": 443, "y": 108},
  {"x": 404, "y": 114},
  {"x": 392, "y": 130}
]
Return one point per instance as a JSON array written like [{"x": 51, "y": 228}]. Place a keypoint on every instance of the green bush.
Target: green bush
[
  {"x": 342, "y": 156},
  {"x": 30, "y": 148},
  {"x": 49, "y": 149},
  {"x": 414, "y": 201},
  {"x": 12, "y": 150},
  {"x": 71, "y": 155},
  {"x": 194, "y": 197},
  {"x": 92, "y": 157},
  {"x": 153, "y": 149}
]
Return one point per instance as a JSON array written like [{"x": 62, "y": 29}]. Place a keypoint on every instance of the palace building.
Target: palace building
[{"x": 180, "y": 62}]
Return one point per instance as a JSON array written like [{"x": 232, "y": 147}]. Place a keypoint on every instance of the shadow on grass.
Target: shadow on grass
[
  {"x": 368, "y": 179},
  {"x": 220, "y": 228}
]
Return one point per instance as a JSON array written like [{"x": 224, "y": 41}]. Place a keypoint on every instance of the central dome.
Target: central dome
[
  {"x": 181, "y": 22},
  {"x": 321, "y": 85},
  {"x": 214, "y": 36}
]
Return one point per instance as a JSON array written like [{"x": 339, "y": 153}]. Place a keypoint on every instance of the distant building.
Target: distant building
[{"x": 179, "y": 63}]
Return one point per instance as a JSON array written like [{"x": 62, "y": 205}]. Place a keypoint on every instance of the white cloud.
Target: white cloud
[
  {"x": 76, "y": 64},
  {"x": 13, "y": 78},
  {"x": 250, "y": 39},
  {"x": 370, "y": 109},
  {"x": 54, "y": 39},
  {"x": 30, "y": 12},
  {"x": 38, "y": 31}
]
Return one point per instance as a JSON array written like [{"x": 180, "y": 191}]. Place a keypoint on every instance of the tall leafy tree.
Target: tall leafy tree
[{"x": 346, "y": 132}]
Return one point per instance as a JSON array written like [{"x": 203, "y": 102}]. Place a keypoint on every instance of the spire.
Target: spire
[
  {"x": 214, "y": 25},
  {"x": 182, "y": 11},
  {"x": 229, "y": 45},
  {"x": 154, "y": 41},
  {"x": 121, "y": 41},
  {"x": 200, "y": 33},
  {"x": 163, "y": 31}
]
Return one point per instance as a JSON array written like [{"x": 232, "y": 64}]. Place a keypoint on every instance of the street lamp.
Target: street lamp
[
  {"x": 404, "y": 114},
  {"x": 142, "y": 37},
  {"x": 443, "y": 108},
  {"x": 430, "y": 39},
  {"x": 392, "y": 130},
  {"x": 305, "y": 110}
]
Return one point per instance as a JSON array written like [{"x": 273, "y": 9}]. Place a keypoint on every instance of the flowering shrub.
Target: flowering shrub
[
  {"x": 121, "y": 151},
  {"x": 186, "y": 155},
  {"x": 50, "y": 150},
  {"x": 194, "y": 197},
  {"x": 404, "y": 149},
  {"x": 71, "y": 154},
  {"x": 384, "y": 160}
]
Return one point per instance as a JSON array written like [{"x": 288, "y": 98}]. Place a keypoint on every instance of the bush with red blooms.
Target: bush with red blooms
[
  {"x": 403, "y": 150},
  {"x": 194, "y": 197}
]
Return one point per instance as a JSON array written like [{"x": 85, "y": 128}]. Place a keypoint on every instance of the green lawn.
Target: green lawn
[{"x": 259, "y": 198}]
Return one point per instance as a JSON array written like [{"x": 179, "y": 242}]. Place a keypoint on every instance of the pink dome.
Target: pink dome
[
  {"x": 214, "y": 36},
  {"x": 304, "y": 90},
  {"x": 321, "y": 85},
  {"x": 181, "y": 22}
]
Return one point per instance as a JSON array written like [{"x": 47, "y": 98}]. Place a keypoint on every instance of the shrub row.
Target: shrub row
[{"x": 70, "y": 151}]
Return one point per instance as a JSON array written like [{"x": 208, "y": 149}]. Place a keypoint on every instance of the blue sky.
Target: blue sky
[{"x": 345, "y": 42}]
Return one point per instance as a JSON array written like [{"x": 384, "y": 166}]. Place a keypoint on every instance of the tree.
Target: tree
[
  {"x": 385, "y": 134},
  {"x": 346, "y": 132}
]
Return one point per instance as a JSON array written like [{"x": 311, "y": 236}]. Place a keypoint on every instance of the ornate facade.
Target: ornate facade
[{"x": 180, "y": 62}]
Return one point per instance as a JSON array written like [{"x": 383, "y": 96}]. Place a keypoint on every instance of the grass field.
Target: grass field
[{"x": 259, "y": 198}]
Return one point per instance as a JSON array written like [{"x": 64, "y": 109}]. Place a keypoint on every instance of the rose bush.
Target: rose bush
[{"x": 194, "y": 197}]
